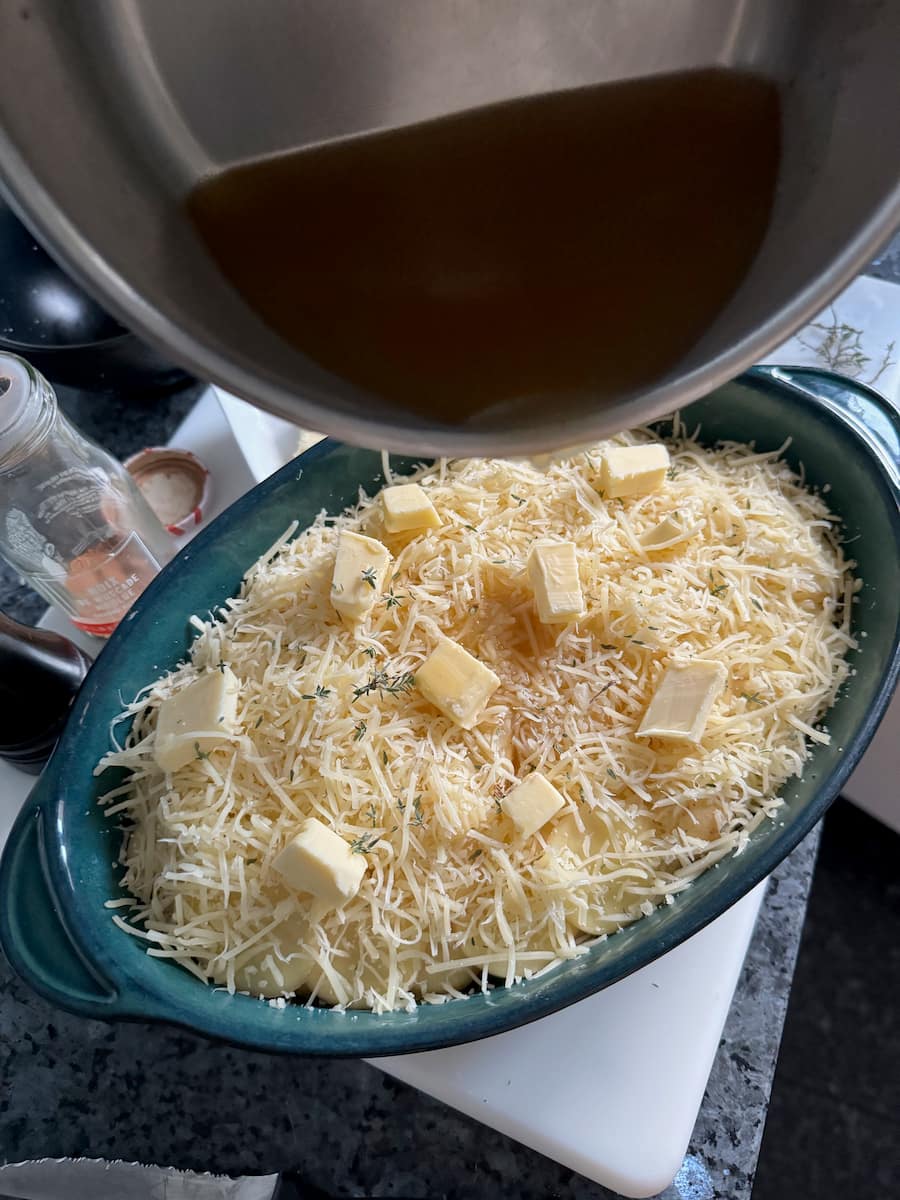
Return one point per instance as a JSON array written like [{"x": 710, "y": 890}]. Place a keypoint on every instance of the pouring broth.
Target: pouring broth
[{"x": 576, "y": 243}]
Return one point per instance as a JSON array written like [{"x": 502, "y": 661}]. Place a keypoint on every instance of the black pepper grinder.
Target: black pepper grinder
[{"x": 40, "y": 674}]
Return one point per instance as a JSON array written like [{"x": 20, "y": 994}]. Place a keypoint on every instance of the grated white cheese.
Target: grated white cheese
[{"x": 329, "y": 725}]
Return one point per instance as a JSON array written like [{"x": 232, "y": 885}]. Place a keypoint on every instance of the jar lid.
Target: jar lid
[
  {"x": 175, "y": 484},
  {"x": 15, "y": 393}
]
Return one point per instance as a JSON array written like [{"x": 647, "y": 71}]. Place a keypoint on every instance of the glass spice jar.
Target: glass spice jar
[{"x": 72, "y": 520}]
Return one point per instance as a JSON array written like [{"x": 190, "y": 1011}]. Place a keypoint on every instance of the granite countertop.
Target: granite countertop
[{"x": 140, "y": 1092}]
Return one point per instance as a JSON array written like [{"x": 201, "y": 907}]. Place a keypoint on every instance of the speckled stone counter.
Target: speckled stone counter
[{"x": 139, "y": 1092}]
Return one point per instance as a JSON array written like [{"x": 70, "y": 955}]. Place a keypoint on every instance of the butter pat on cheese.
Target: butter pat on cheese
[
  {"x": 531, "y": 804},
  {"x": 681, "y": 703},
  {"x": 359, "y": 569},
  {"x": 196, "y": 718},
  {"x": 634, "y": 470},
  {"x": 406, "y": 507},
  {"x": 455, "y": 682},
  {"x": 553, "y": 574},
  {"x": 319, "y": 861}
]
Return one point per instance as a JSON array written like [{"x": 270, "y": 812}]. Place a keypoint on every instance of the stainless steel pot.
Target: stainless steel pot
[{"x": 111, "y": 109}]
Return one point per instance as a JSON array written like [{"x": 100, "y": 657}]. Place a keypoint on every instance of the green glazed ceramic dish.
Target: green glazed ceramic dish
[{"x": 57, "y": 870}]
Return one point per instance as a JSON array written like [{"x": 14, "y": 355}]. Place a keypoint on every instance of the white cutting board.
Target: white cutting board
[{"x": 610, "y": 1087}]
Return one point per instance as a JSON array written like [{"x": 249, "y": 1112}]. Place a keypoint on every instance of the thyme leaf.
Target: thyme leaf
[
  {"x": 717, "y": 589},
  {"x": 366, "y": 843},
  {"x": 382, "y": 682}
]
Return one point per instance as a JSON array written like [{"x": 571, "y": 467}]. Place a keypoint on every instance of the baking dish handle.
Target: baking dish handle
[
  {"x": 33, "y": 931},
  {"x": 874, "y": 418}
]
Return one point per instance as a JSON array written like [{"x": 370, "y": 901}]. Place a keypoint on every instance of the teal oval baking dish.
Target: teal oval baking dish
[{"x": 57, "y": 870}]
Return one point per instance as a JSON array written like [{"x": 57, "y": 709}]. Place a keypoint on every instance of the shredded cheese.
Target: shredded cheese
[{"x": 330, "y": 725}]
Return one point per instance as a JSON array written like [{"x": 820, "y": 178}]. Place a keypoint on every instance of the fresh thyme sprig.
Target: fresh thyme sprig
[{"x": 383, "y": 683}]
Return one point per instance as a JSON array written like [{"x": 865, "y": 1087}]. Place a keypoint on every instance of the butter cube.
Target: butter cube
[
  {"x": 456, "y": 683},
  {"x": 634, "y": 470},
  {"x": 662, "y": 535},
  {"x": 193, "y": 721},
  {"x": 682, "y": 701},
  {"x": 531, "y": 804},
  {"x": 405, "y": 507},
  {"x": 359, "y": 569},
  {"x": 553, "y": 574},
  {"x": 319, "y": 861}
]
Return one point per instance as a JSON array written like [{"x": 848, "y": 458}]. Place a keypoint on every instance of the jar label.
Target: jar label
[
  {"x": 24, "y": 540},
  {"x": 100, "y": 585},
  {"x": 75, "y": 492}
]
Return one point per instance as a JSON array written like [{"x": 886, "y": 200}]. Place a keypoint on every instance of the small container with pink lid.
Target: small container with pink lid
[{"x": 175, "y": 484}]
